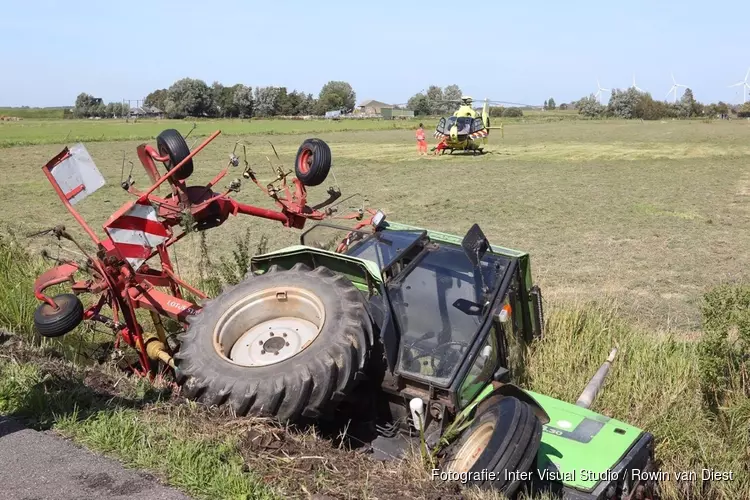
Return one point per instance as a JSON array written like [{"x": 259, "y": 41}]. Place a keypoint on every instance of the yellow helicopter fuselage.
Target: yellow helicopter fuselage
[{"x": 465, "y": 130}]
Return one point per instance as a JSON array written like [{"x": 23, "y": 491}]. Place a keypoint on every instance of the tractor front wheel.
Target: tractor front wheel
[
  {"x": 504, "y": 438},
  {"x": 285, "y": 344}
]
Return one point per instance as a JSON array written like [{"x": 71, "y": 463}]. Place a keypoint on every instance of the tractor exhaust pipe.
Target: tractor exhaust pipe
[{"x": 588, "y": 395}]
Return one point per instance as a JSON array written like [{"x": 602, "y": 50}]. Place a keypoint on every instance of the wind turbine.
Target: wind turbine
[
  {"x": 674, "y": 88},
  {"x": 745, "y": 86},
  {"x": 599, "y": 90},
  {"x": 636, "y": 86}
]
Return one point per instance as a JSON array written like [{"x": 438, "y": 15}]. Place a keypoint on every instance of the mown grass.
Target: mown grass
[
  {"x": 630, "y": 210},
  {"x": 34, "y": 132}
]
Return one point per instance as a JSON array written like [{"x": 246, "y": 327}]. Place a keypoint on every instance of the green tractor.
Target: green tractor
[{"x": 418, "y": 336}]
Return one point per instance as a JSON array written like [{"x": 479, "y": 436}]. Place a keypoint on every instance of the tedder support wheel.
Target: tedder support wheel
[
  {"x": 504, "y": 436},
  {"x": 51, "y": 322},
  {"x": 284, "y": 344},
  {"x": 313, "y": 162},
  {"x": 171, "y": 143}
]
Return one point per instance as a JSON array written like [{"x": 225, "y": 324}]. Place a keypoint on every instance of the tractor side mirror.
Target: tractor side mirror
[
  {"x": 475, "y": 244},
  {"x": 378, "y": 219}
]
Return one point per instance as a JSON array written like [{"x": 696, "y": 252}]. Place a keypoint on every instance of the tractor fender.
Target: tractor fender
[{"x": 513, "y": 391}]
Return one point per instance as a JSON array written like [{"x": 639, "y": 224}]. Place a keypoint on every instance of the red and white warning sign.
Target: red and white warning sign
[{"x": 136, "y": 232}]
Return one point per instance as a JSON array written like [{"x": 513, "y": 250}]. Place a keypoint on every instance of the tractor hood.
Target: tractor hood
[{"x": 584, "y": 450}]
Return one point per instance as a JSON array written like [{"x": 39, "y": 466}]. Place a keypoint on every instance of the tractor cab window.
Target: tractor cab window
[
  {"x": 439, "y": 307},
  {"x": 482, "y": 369}
]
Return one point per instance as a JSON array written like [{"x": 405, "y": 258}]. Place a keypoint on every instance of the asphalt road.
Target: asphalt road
[{"x": 41, "y": 465}]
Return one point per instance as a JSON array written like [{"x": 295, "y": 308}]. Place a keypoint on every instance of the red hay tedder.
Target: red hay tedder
[{"x": 144, "y": 228}]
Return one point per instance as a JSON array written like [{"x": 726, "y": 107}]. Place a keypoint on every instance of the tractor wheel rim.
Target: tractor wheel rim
[
  {"x": 472, "y": 449},
  {"x": 269, "y": 326}
]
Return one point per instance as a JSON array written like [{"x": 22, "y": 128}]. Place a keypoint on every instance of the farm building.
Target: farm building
[
  {"x": 146, "y": 112},
  {"x": 397, "y": 114},
  {"x": 372, "y": 107}
]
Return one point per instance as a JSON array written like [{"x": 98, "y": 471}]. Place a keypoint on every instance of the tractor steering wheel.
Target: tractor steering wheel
[{"x": 446, "y": 359}]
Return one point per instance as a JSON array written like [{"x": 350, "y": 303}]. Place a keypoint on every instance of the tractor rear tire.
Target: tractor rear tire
[
  {"x": 313, "y": 162},
  {"x": 56, "y": 323},
  {"x": 504, "y": 436},
  {"x": 171, "y": 143},
  {"x": 228, "y": 356}
]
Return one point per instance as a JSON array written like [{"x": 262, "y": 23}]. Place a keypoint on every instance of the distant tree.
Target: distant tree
[
  {"x": 496, "y": 111},
  {"x": 420, "y": 104},
  {"x": 84, "y": 106},
  {"x": 649, "y": 109},
  {"x": 264, "y": 102},
  {"x": 590, "y": 106},
  {"x": 242, "y": 100},
  {"x": 336, "y": 95},
  {"x": 221, "y": 101},
  {"x": 452, "y": 93},
  {"x": 156, "y": 99},
  {"x": 110, "y": 110},
  {"x": 744, "y": 111},
  {"x": 513, "y": 113},
  {"x": 544, "y": 106},
  {"x": 688, "y": 104},
  {"x": 623, "y": 103},
  {"x": 563, "y": 106},
  {"x": 189, "y": 97},
  {"x": 551, "y": 103},
  {"x": 306, "y": 105},
  {"x": 435, "y": 100}
]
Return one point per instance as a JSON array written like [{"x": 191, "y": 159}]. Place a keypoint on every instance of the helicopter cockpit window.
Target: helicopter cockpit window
[
  {"x": 477, "y": 125},
  {"x": 442, "y": 128},
  {"x": 464, "y": 125}
]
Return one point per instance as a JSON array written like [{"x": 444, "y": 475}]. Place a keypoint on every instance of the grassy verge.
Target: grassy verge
[
  {"x": 657, "y": 384},
  {"x": 692, "y": 395}
]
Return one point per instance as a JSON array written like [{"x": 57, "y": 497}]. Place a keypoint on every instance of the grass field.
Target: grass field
[
  {"x": 642, "y": 218},
  {"x": 647, "y": 213}
]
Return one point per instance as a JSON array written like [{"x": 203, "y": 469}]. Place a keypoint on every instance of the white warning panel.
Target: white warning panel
[{"x": 77, "y": 174}]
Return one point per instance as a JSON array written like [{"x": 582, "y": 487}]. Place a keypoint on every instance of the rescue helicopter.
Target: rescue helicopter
[{"x": 466, "y": 129}]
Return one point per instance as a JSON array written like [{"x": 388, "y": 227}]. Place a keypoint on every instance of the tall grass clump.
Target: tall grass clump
[
  {"x": 18, "y": 270},
  {"x": 656, "y": 383}
]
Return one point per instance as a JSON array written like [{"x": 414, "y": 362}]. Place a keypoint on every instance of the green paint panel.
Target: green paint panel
[
  {"x": 356, "y": 270},
  {"x": 580, "y": 444}
]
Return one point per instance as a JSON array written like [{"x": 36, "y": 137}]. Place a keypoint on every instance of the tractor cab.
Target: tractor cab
[{"x": 447, "y": 306}]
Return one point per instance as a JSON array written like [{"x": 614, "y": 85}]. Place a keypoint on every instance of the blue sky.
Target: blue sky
[{"x": 388, "y": 50}]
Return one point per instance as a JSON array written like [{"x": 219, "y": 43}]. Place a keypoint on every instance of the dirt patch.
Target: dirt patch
[{"x": 305, "y": 465}]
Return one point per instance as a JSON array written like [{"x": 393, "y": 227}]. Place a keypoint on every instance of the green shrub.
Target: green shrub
[{"x": 513, "y": 113}]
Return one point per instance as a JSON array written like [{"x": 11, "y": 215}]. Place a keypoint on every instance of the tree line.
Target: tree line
[
  {"x": 633, "y": 103},
  {"x": 191, "y": 97},
  {"x": 88, "y": 106}
]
